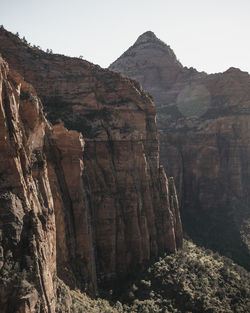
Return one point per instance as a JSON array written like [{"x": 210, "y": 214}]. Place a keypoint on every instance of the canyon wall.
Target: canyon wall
[
  {"x": 109, "y": 205},
  {"x": 204, "y": 133},
  {"x": 27, "y": 221}
]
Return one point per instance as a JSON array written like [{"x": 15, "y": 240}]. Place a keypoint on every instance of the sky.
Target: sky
[{"x": 210, "y": 36}]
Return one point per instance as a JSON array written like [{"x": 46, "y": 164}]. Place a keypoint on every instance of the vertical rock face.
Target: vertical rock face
[
  {"x": 204, "y": 133},
  {"x": 75, "y": 250},
  {"x": 27, "y": 224},
  {"x": 114, "y": 206},
  {"x": 41, "y": 201}
]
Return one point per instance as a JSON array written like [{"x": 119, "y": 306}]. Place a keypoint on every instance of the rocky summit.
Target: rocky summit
[
  {"x": 150, "y": 60},
  {"x": 204, "y": 133},
  {"x": 82, "y": 197}
]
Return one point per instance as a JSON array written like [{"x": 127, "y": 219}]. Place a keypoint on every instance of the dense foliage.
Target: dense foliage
[{"x": 193, "y": 280}]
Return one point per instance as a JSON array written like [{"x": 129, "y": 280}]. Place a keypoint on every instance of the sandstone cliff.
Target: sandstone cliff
[
  {"x": 27, "y": 221},
  {"x": 114, "y": 206},
  {"x": 205, "y": 144}
]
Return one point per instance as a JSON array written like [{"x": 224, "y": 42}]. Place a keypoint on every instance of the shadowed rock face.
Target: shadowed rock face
[
  {"x": 204, "y": 132},
  {"x": 114, "y": 206}
]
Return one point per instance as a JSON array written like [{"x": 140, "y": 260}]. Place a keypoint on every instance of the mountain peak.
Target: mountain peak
[
  {"x": 146, "y": 37},
  {"x": 148, "y": 49}
]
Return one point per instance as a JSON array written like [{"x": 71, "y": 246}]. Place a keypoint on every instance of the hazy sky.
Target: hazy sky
[{"x": 208, "y": 35}]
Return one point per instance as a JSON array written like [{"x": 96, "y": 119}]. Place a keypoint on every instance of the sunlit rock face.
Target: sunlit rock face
[
  {"x": 205, "y": 144},
  {"x": 41, "y": 179},
  {"x": 27, "y": 221},
  {"x": 114, "y": 206}
]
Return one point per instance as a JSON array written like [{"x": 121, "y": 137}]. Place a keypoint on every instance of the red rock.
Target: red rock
[
  {"x": 27, "y": 221},
  {"x": 113, "y": 206},
  {"x": 204, "y": 133}
]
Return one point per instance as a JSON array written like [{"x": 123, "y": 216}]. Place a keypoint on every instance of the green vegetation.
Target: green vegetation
[
  {"x": 194, "y": 280},
  {"x": 76, "y": 302}
]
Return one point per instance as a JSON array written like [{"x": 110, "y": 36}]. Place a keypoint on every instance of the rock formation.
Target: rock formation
[
  {"x": 96, "y": 207},
  {"x": 153, "y": 63},
  {"x": 204, "y": 132},
  {"x": 27, "y": 221}
]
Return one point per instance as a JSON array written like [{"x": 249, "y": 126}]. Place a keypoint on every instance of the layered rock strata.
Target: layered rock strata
[
  {"x": 114, "y": 206},
  {"x": 204, "y": 133}
]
